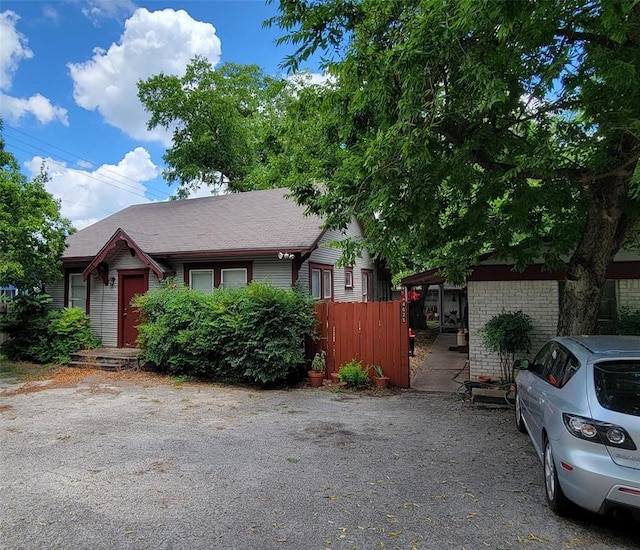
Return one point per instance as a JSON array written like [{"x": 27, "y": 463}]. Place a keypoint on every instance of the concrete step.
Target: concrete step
[
  {"x": 107, "y": 359},
  {"x": 492, "y": 396}
]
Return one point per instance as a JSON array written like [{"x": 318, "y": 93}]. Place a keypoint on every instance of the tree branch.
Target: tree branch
[{"x": 583, "y": 36}]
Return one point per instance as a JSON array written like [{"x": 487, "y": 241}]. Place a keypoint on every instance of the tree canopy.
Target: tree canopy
[
  {"x": 223, "y": 123},
  {"x": 32, "y": 232},
  {"x": 478, "y": 126},
  {"x": 451, "y": 129}
]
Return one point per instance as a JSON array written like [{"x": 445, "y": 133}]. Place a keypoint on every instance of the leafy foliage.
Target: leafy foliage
[
  {"x": 319, "y": 363},
  {"x": 32, "y": 233},
  {"x": 353, "y": 375},
  {"x": 251, "y": 334},
  {"x": 38, "y": 334},
  {"x": 508, "y": 334},
  {"x": 453, "y": 129},
  {"x": 627, "y": 321},
  {"x": 222, "y": 122}
]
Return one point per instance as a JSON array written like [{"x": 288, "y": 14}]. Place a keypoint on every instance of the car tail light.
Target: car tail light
[{"x": 604, "y": 433}]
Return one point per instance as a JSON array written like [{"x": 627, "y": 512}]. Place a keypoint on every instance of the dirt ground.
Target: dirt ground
[
  {"x": 132, "y": 460},
  {"x": 424, "y": 340}
]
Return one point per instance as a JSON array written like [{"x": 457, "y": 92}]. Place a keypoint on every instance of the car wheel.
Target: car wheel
[
  {"x": 556, "y": 499},
  {"x": 519, "y": 422}
]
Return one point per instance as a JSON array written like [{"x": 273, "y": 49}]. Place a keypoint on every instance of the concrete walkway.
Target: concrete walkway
[{"x": 442, "y": 370}]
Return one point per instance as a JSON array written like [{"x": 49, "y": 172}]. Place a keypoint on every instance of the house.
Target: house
[
  {"x": 493, "y": 286},
  {"x": 211, "y": 242}
]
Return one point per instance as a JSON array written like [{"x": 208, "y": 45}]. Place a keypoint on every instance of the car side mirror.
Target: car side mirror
[{"x": 521, "y": 364}]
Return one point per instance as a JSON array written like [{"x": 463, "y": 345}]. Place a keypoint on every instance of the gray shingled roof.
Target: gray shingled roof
[{"x": 252, "y": 221}]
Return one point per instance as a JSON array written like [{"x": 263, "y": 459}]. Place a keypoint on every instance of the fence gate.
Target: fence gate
[{"x": 371, "y": 332}]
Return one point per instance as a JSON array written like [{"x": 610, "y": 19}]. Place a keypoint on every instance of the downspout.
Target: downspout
[{"x": 441, "y": 306}]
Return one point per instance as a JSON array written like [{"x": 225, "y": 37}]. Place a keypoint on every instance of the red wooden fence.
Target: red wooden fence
[{"x": 371, "y": 332}]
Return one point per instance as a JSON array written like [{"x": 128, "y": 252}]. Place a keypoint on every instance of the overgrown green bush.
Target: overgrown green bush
[
  {"x": 253, "y": 334},
  {"x": 353, "y": 375},
  {"x": 627, "y": 321},
  {"x": 35, "y": 333}
]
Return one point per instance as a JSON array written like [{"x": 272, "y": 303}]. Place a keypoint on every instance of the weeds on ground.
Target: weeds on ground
[{"x": 21, "y": 371}]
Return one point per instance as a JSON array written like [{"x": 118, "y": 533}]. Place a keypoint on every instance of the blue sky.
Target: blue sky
[{"x": 68, "y": 70}]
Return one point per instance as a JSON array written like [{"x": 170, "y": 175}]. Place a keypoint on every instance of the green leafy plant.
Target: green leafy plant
[
  {"x": 378, "y": 370},
  {"x": 319, "y": 363},
  {"x": 251, "y": 334},
  {"x": 507, "y": 334},
  {"x": 353, "y": 375},
  {"x": 38, "y": 334},
  {"x": 627, "y": 321}
]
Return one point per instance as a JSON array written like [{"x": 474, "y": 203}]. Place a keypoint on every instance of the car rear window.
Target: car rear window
[{"x": 618, "y": 386}]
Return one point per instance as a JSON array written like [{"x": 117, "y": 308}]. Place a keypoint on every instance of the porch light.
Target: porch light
[{"x": 285, "y": 256}]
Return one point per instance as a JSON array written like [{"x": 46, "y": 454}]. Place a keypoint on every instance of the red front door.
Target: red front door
[{"x": 130, "y": 283}]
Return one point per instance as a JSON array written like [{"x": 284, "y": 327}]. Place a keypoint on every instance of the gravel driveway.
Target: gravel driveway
[{"x": 107, "y": 463}]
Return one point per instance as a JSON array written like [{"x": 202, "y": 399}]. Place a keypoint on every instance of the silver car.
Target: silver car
[{"x": 579, "y": 400}]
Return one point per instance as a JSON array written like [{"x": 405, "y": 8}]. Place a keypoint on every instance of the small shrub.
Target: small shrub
[
  {"x": 45, "y": 336},
  {"x": 353, "y": 375},
  {"x": 508, "y": 334},
  {"x": 627, "y": 321},
  {"x": 319, "y": 363}
]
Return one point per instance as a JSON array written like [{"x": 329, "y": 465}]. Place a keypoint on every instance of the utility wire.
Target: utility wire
[{"x": 103, "y": 178}]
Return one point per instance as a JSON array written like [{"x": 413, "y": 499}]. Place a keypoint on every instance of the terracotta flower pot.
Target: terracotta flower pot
[
  {"x": 381, "y": 381},
  {"x": 316, "y": 378}
]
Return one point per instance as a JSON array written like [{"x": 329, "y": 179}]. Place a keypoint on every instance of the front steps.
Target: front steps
[{"x": 107, "y": 359}]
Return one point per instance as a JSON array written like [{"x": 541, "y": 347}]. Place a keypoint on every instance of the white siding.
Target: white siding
[
  {"x": 325, "y": 254},
  {"x": 277, "y": 272},
  {"x": 104, "y": 298},
  {"x": 56, "y": 291}
]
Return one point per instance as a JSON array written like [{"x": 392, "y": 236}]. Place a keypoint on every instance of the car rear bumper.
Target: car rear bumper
[{"x": 591, "y": 479}]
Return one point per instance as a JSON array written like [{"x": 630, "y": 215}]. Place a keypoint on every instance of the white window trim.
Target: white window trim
[
  {"x": 316, "y": 290},
  {"x": 348, "y": 277},
  {"x": 73, "y": 277},
  {"x": 327, "y": 289},
  {"x": 224, "y": 270},
  {"x": 210, "y": 271}
]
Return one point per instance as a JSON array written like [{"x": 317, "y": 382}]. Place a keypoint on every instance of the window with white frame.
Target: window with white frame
[
  {"x": 233, "y": 278},
  {"x": 201, "y": 279},
  {"x": 327, "y": 284},
  {"x": 77, "y": 291},
  {"x": 316, "y": 283},
  {"x": 367, "y": 282},
  {"x": 321, "y": 279},
  {"x": 348, "y": 277}
]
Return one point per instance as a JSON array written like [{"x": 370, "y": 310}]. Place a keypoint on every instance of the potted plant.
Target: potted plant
[
  {"x": 379, "y": 379},
  {"x": 318, "y": 368}
]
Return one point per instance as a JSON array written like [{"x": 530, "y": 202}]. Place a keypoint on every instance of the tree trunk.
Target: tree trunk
[{"x": 606, "y": 229}]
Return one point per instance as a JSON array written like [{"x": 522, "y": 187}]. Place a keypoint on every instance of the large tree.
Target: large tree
[
  {"x": 222, "y": 123},
  {"x": 459, "y": 127},
  {"x": 32, "y": 232}
]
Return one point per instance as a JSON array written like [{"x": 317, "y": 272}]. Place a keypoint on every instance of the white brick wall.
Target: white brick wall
[
  {"x": 629, "y": 293},
  {"x": 538, "y": 299}
]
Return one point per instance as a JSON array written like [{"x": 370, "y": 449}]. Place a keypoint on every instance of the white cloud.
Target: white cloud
[
  {"x": 96, "y": 10},
  {"x": 13, "y": 48},
  {"x": 88, "y": 196},
  {"x": 153, "y": 42},
  {"x": 50, "y": 13},
  {"x": 306, "y": 78},
  {"x": 14, "y": 108}
]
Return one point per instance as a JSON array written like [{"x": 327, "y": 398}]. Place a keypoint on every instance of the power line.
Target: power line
[{"x": 102, "y": 178}]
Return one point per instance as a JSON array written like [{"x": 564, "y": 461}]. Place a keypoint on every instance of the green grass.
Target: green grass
[{"x": 20, "y": 371}]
